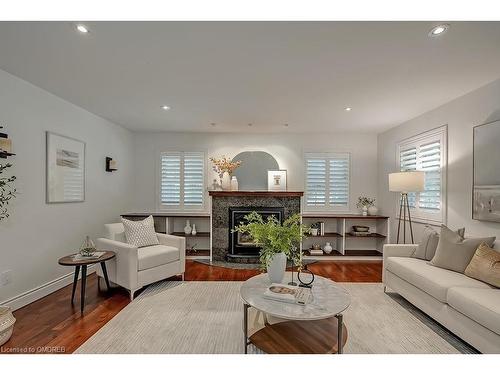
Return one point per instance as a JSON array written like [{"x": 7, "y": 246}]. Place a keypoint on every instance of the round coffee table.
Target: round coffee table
[
  {"x": 313, "y": 328},
  {"x": 69, "y": 260}
]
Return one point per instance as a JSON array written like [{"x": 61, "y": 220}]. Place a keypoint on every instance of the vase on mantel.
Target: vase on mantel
[{"x": 225, "y": 181}]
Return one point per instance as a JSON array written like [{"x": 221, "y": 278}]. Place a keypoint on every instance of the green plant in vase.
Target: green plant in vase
[
  {"x": 7, "y": 191},
  {"x": 278, "y": 241}
]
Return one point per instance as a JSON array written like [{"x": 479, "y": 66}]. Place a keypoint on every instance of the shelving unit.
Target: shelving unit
[
  {"x": 174, "y": 223},
  {"x": 337, "y": 232}
]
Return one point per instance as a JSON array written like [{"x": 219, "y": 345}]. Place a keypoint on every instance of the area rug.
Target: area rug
[{"x": 206, "y": 317}]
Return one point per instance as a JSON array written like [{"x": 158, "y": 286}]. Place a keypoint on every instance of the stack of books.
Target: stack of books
[{"x": 315, "y": 251}]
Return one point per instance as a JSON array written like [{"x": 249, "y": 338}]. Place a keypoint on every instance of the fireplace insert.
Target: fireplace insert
[{"x": 240, "y": 244}]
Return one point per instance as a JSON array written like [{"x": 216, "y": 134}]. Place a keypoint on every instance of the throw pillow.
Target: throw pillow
[
  {"x": 429, "y": 241},
  {"x": 454, "y": 252},
  {"x": 485, "y": 265},
  {"x": 140, "y": 233}
]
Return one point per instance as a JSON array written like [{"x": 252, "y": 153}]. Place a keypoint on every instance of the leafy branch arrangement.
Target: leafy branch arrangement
[
  {"x": 224, "y": 165},
  {"x": 7, "y": 191},
  {"x": 365, "y": 201},
  {"x": 274, "y": 237}
]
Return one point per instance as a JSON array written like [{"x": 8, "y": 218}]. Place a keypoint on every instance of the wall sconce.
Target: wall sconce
[{"x": 111, "y": 165}]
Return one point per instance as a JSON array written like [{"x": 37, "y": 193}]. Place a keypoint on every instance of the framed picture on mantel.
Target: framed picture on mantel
[
  {"x": 65, "y": 169},
  {"x": 276, "y": 180}
]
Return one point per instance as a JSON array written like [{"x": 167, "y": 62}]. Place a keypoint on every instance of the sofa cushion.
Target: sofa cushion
[
  {"x": 455, "y": 252},
  {"x": 485, "y": 265},
  {"x": 429, "y": 241},
  {"x": 153, "y": 256},
  {"x": 480, "y": 305},
  {"x": 432, "y": 280}
]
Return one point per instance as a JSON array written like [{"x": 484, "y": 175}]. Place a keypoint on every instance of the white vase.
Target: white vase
[
  {"x": 193, "y": 232},
  {"x": 276, "y": 268},
  {"x": 372, "y": 210},
  {"x": 234, "y": 183},
  {"x": 364, "y": 210},
  {"x": 187, "y": 228},
  {"x": 327, "y": 248},
  {"x": 225, "y": 181}
]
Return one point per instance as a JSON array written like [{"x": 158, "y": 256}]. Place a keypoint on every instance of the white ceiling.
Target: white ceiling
[{"x": 264, "y": 73}]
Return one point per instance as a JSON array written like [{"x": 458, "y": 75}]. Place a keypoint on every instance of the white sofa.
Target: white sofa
[
  {"x": 134, "y": 268},
  {"x": 467, "y": 307}
]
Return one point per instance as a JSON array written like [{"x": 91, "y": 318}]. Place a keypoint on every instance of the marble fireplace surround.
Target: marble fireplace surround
[{"x": 222, "y": 201}]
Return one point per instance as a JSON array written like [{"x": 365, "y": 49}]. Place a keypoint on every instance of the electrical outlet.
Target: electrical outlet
[{"x": 6, "y": 278}]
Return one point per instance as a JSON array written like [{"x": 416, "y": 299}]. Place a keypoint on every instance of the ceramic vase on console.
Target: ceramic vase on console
[
  {"x": 327, "y": 248},
  {"x": 225, "y": 181},
  {"x": 187, "y": 228},
  {"x": 372, "y": 210},
  {"x": 364, "y": 211},
  {"x": 193, "y": 232},
  {"x": 276, "y": 268},
  {"x": 234, "y": 183}
]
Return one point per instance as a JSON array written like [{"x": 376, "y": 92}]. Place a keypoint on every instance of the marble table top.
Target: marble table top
[{"x": 329, "y": 299}]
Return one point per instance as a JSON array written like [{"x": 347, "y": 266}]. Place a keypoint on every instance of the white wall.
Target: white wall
[
  {"x": 37, "y": 234},
  {"x": 287, "y": 149},
  {"x": 461, "y": 115}
]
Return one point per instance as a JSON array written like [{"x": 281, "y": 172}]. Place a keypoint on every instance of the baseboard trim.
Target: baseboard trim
[{"x": 41, "y": 291}]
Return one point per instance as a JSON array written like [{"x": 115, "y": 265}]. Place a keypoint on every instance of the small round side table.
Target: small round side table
[{"x": 69, "y": 260}]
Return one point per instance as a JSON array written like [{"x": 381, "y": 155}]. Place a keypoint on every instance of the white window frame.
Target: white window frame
[
  {"x": 418, "y": 214},
  {"x": 180, "y": 208},
  {"x": 327, "y": 208}
]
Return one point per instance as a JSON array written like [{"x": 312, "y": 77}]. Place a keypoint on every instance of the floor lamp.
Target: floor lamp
[{"x": 404, "y": 183}]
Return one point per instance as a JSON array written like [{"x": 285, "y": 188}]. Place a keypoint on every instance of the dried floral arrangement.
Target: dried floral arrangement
[
  {"x": 7, "y": 191},
  {"x": 365, "y": 202},
  {"x": 224, "y": 165}
]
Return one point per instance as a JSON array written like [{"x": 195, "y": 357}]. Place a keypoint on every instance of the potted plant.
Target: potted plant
[
  {"x": 366, "y": 205},
  {"x": 7, "y": 191},
  {"x": 278, "y": 241},
  {"x": 224, "y": 167}
]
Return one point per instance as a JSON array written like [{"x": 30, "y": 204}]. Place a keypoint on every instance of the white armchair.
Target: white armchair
[{"x": 134, "y": 268}]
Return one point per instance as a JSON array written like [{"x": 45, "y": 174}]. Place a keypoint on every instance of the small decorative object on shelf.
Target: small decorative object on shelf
[
  {"x": 111, "y": 165},
  {"x": 187, "y": 228},
  {"x": 224, "y": 167},
  {"x": 327, "y": 248},
  {"x": 192, "y": 248},
  {"x": 216, "y": 186},
  {"x": 234, "y": 183},
  {"x": 87, "y": 249},
  {"x": 193, "y": 232},
  {"x": 360, "y": 230},
  {"x": 314, "y": 231},
  {"x": 364, "y": 203},
  {"x": 5, "y": 145},
  {"x": 7, "y": 321}
]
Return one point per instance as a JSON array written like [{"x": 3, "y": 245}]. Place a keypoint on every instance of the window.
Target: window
[
  {"x": 427, "y": 152},
  {"x": 182, "y": 180},
  {"x": 327, "y": 181}
]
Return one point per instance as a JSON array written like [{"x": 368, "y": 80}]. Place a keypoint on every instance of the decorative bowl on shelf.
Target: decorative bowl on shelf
[{"x": 360, "y": 228}]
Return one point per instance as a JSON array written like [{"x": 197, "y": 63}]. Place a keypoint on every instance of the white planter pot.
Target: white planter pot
[
  {"x": 372, "y": 210},
  {"x": 7, "y": 321},
  {"x": 276, "y": 268},
  {"x": 226, "y": 181}
]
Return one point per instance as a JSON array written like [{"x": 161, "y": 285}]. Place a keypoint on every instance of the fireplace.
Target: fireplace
[{"x": 241, "y": 244}]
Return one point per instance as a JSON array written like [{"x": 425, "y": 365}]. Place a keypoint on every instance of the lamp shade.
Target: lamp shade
[{"x": 406, "y": 182}]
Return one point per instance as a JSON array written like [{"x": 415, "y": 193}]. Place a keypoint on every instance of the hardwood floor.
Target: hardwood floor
[{"x": 53, "y": 325}]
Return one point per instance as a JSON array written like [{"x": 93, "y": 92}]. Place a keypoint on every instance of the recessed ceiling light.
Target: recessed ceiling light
[
  {"x": 439, "y": 29},
  {"x": 285, "y": 125},
  {"x": 165, "y": 107},
  {"x": 348, "y": 109},
  {"x": 82, "y": 28},
  {"x": 213, "y": 124}
]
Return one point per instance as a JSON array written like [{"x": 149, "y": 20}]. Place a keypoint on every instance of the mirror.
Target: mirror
[
  {"x": 252, "y": 174},
  {"x": 486, "y": 189}
]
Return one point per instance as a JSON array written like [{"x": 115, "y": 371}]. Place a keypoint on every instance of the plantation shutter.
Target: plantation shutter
[
  {"x": 408, "y": 162},
  {"x": 182, "y": 180},
  {"x": 194, "y": 167},
  {"x": 170, "y": 179},
  {"x": 327, "y": 181},
  {"x": 430, "y": 163}
]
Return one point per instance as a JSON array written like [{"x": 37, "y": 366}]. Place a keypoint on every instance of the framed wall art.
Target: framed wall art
[
  {"x": 65, "y": 168},
  {"x": 486, "y": 172},
  {"x": 276, "y": 180}
]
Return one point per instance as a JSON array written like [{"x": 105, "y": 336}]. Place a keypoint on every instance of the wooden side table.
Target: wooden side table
[{"x": 83, "y": 263}]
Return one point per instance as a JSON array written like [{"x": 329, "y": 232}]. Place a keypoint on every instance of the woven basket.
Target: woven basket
[{"x": 7, "y": 321}]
